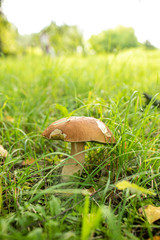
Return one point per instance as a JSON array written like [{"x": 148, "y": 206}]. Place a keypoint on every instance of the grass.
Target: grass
[{"x": 37, "y": 90}]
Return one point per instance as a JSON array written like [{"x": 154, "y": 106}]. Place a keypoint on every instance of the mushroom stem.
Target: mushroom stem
[{"x": 72, "y": 166}]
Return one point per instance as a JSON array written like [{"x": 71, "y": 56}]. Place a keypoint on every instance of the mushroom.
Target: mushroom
[{"x": 78, "y": 130}]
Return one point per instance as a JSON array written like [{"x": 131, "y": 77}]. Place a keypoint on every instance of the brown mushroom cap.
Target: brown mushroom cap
[{"x": 79, "y": 129}]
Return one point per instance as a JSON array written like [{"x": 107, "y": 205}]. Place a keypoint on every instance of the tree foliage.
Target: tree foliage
[
  {"x": 147, "y": 44},
  {"x": 64, "y": 39},
  {"x": 8, "y": 36},
  {"x": 114, "y": 39}
]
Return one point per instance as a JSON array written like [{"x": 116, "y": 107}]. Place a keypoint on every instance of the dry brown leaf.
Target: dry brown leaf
[
  {"x": 89, "y": 191},
  {"x": 152, "y": 213},
  {"x": 155, "y": 238},
  {"x": 9, "y": 119},
  {"x": 28, "y": 161},
  {"x": 3, "y": 152}
]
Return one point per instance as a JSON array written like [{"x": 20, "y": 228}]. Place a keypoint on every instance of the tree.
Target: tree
[
  {"x": 114, "y": 39},
  {"x": 0, "y": 25},
  {"x": 64, "y": 39},
  {"x": 8, "y": 35},
  {"x": 147, "y": 44}
]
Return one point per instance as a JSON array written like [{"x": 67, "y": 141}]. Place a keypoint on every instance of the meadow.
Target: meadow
[{"x": 37, "y": 90}]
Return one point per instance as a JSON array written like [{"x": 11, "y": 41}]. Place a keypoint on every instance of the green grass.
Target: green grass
[{"x": 37, "y": 90}]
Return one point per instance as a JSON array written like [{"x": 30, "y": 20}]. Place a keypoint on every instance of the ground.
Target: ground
[{"x": 37, "y": 90}]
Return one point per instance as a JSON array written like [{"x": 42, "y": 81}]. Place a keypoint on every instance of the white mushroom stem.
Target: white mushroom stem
[{"x": 72, "y": 166}]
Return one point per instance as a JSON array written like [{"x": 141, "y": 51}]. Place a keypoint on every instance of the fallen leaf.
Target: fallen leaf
[
  {"x": 89, "y": 191},
  {"x": 28, "y": 161},
  {"x": 155, "y": 238},
  {"x": 3, "y": 152},
  {"x": 9, "y": 119},
  {"x": 152, "y": 213},
  {"x": 134, "y": 188}
]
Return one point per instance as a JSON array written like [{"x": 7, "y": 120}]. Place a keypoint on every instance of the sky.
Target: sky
[{"x": 91, "y": 16}]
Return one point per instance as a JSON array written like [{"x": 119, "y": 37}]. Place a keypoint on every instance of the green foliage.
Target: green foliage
[
  {"x": 112, "y": 223},
  {"x": 8, "y": 37},
  {"x": 148, "y": 45},
  {"x": 90, "y": 221},
  {"x": 114, "y": 40},
  {"x": 64, "y": 39},
  {"x": 54, "y": 204}
]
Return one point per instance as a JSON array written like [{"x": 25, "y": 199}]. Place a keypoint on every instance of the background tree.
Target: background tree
[
  {"x": 64, "y": 39},
  {"x": 147, "y": 44},
  {"x": 8, "y": 35},
  {"x": 0, "y": 25},
  {"x": 114, "y": 39}
]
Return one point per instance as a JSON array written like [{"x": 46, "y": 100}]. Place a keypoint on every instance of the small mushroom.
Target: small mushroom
[{"x": 78, "y": 130}]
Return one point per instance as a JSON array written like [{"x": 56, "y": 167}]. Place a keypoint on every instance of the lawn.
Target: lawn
[{"x": 34, "y": 201}]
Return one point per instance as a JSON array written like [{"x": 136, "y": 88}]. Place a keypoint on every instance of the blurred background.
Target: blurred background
[{"x": 60, "y": 27}]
